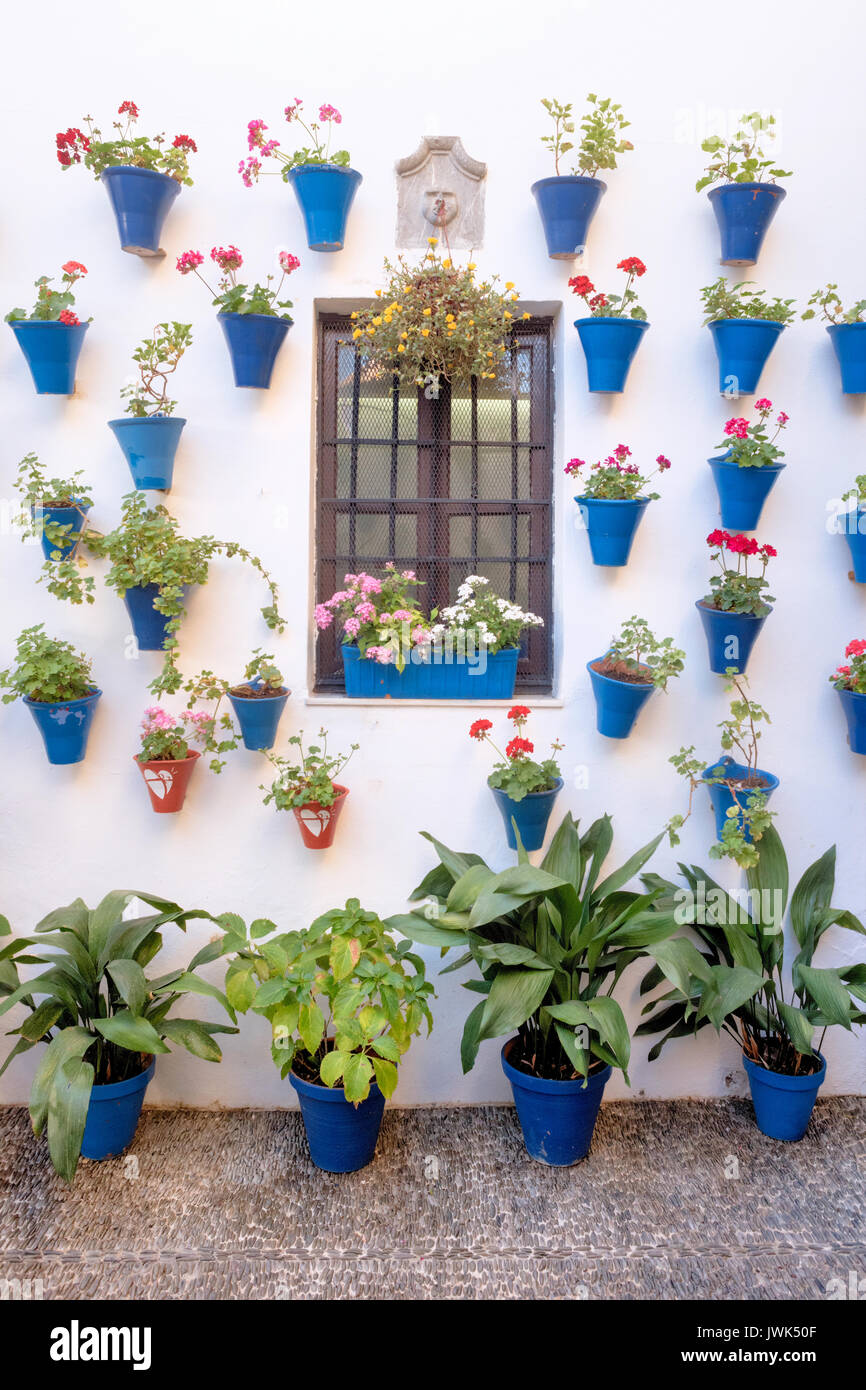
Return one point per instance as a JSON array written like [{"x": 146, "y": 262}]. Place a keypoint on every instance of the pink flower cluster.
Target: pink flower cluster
[
  {"x": 288, "y": 262},
  {"x": 155, "y": 718},
  {"x": 190, "y": 260},
  {"x": 249, "y": 170},
  {"x": 330, "y": 113},
  {"x": 226, "y": 257}
]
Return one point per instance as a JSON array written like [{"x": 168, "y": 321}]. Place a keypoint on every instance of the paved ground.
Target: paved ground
[{"x": 227, "y": 1204}]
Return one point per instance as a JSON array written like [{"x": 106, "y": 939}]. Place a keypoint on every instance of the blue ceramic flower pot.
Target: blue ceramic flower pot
[
  {"x": 254, "y": 341},
  {"x": 557, "y": 1117},
  {"x": 722, "y": 798},
  {"x": 64, "y": 726},
  {"x": 73, "y": 517},
  {"x": 783, "y": 1104},
  {"x": 531, "y": 815},
  {"x": 609, "y": 346},
  {"x": 611, "y": 525},
  {"x": 742, "y": 347},
  {"x": 342, "y": 1137},
  {"x": 730, "y": 636},
  {"x": 113, "y": 1115},
  {"x": 148, "y": 624},
  {"x": 567, "y": 204},
  {"x": 149, "y": 446},
  {"x": 325, "y": 193},
  {"x": 51, "y": 350},
  {"x": 742, "y": 491},
  {"x": 617, "y": 703},
  {"x": 849, "y": 345},
  {"x": 854, "y": 706},
  {"x": 141, "y": 199},
  {"x": 855, "y": 535},
  {"x": 258, "y": 718},
  {"x": 744, "y": 211},
  {"x": 492, "y": 677}
]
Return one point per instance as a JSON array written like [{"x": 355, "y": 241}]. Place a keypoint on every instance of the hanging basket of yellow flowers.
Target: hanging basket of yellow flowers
[{"x": 435, "y": 322}]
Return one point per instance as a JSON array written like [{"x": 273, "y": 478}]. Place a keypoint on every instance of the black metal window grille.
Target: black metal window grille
[{"x": 449, "y": 485}]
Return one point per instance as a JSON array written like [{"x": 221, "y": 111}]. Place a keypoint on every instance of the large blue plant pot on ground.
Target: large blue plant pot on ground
[
  {"x": 609, "y": 346},
  {"x": 428, "y": 680},
  {"x": 722, "y": 798},
  {"x": 617, "y": 703},
  {"x": 113, "y": 1115},
  {"x": 325, "y": 193},
  {"x": 855, "y": 535},
  {"x": 64, "y": 726},
  {"x": 730, "y": 637},
  {"x": 254, "y": 341},
  {"x": 531, "y": 815},
  {"x": 567, "y": 204},
  {"x": 744, "y": 211},
  {"x": 557, "y": 1117},
  {"x": 148, "y": 624},
  {"x": 258, "y": 718},
  {"x": 342, "y": 1137},
  {"x": 849, "y": 345},
  {"x": 149, "y": 447},
  {"x": 854, "y": 706},
  {"x": 51, "y": 350},
  {"x": 59, "y": 516},
  {"x": 611, "y": 525},
  {"x": 742, "y": 491},
  {"x": 783, "y": 1104},
  {"x": 141, "y": 199},
  {"x": 742, "y": 347}
]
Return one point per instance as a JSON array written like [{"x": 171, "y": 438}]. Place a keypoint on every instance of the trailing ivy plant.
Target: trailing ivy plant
[
  {"x": 600, "y": 140},
  {"x": 46, "y": 670},
  {"x": 157, "y": 358},
  {"x": 828, "y": 304},
  {"x": 742, "y": 158},
  {"x": 309, "y": 777},
  {"x": 729, "y": 299},
  {"x": 216, "y": 731}
]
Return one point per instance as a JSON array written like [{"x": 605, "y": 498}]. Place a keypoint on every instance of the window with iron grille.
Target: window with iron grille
[{"x": 448, "y": 485}]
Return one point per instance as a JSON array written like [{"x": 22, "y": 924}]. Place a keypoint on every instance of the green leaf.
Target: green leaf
[
  {"x": 130, "y": 982},
  {"x": 507, "y": 953},
  {"x": 798, "y": 1027},
  {"x": 467, "y": 888},
  {"x": 621, "y": 876},
  {"x": 514, "y": 996},
  {"x": 829, "y": 993},
  {"x": 192, "y": 1035},
  {"x": 357, "y": 1075},
  {"x": 769, "y": 877},
  {"x": 38, "y": 1023},
  {"x": 386, "y": 1047},
  {"x": 812, "y": 896},
  {"x": 386, "y": 1076},
  {"x": 471, "y": 1038},
  {"x": 311, "y": 1026},
  {"x": 427, "y": 933},
  {"x": 241, "y": 986},
  {"x": 131, "y": 1032},
  {"x": 344, "y": 956},
  {"x": 728, "y": 989},
  {"x": 71, "y": 1043},
  {"x": 333, "y": 1065},
  {"x": 679, "y": 960},
  {"x": 67, "y": 1114}
]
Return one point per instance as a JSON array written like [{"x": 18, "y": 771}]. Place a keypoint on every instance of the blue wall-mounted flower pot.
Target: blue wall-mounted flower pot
[
  {"x": 531, "y": 815},
  {"x": 73, "y": 517},
  {"x": 149, "y": 446},
  {"x": 730, "y": 636},
  {"x": 742, "y": 491},
  {"x": 611, "y": 524},
  {"x": 254, "y": 341},
  {"x": 722, "y": 798},
  {"x": 51, "y": 350},
  {"x": 855, "y": 535},
  {"x": 849, "y": 345},
  {"x": 617, "y": 703},
  {"x": 744, "y": 211},
  {"x": 557, "y": 1117},
  {"x": 258, "y": 718},
  {"x": 783, "y": 1104},
  {"x": 113, "y": 1115},
  {"x": 609, "y": 346},
  {"x": 325, "y": 193},
  {"x": 64, "y": 726},
  {"x": 567, "y": 204},
  {"x": 491, "y": 679},
  {"x": 342, "y": 1136},
  {"x": 742, "y": 347},
  {"x": 854, "y": 706},
  {"x": 148, "y": 624},
  {"x": 141, "y": 199}
]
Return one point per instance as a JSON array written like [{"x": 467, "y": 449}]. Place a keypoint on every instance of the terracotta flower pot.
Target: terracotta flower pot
[
  {"x": 318, "y": 823},
  {"x": 167, "y": 780}
]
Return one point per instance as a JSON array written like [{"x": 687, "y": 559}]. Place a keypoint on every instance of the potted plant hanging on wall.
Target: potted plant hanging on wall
[
  {"x": 635, "y": 664},
  {"x": 306, "y": 785},
  {"x": 567, "y": 202},
  {"x": 517, "y": 928},
  {"x": 103, "y": 1020},
  {"x": 613, "y": 502},
  {"x": 847, "y": 329},
  {"x": 524, "y": 790},
  {"x": 746, "y": 473},
  {"x": 258, "y": 701},
  {"x": 344, "y": 1001},
  {"x": 141, "y": 176},
  {"x": 744, "y": 203},
  {"x": 737, "y": 606},
  {"x": 852, "y": 520},
  {"x": 54, "y": 681},
  {"x": 149, "y": 440},
  {"x": 735, "y": 981},
  {"x": 745, "y": 327},
  {"x": 56, "y": 508},
  {"x": 253, "y": 320},
  {"x": 850, "y": 681},
  {"x": 324, "y": 185},
  {"x": 166, "y": 761},
  {"x": 51, "y": 336},
  {"x": 612, "y": 333}
]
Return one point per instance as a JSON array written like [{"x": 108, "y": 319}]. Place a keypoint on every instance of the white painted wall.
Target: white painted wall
[{"x": 243, "y": 468}]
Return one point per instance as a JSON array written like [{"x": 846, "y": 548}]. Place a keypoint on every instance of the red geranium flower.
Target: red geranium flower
[
  {"x": 717, "y": 537},
  {"x": 184, "y": 142},
  {"x": 856, "y": 648},
  {"x": 634, "y": 265},
  {"x": 128, "y": 108},
  {"x": 479, "y": 729},
  {"x": 518, "y": 748},
  {"x": 581, "y": 284},
  {"x": 71, "y": 320},
  {"x": 74, "y": 268},
  {"x": 518, "y": 713}
]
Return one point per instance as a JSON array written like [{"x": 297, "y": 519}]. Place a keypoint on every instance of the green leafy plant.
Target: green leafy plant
[
  {"x": 857, "y": 494},
  {"x": 750, "y": 445},
  {"x": 828, "y": 304},
  {"x": 164, "y": 738},
  {"x": 636, "y": 654},
  {"x": 157, "y": 359},
  {"x": 53, "y": 306},
  {"x": 318, "y": 132},
  {"x": 216, "y": 731},
  {"x": 733, "y": 979},
  {"x": 125, "y": 148},
  {"x": 38, "y": 492},
  {"x": 742, "y": 159},
  {"x": 600, "y": 140},
  {"x": 549, "y": 945},
  {"x": 614, "y": 478},
  {"x": 852, "y": 676},
  {"x": 101, "y": 1016},
  {"x": 46, "y": 670},
  {"x": 516, "y": 774},
  {"x": 729, "y": 299},
  {"x": 612, "y": 306},
  {"x": 309, "y": 777},
  {"x": 232, "y": 298},
  {"x": 734, "y": 589},
  {"x": 343, "y": 998}
]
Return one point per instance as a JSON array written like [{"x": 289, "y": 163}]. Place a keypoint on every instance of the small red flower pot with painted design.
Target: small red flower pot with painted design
[
  {"x": 318, "y": 823},
  {"x": 167, "y": 780}
]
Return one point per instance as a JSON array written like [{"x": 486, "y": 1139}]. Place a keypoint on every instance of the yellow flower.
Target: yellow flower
[
  {"x": 490, "y": 354},
  {"x": 527, "y": 315},
  {"x": 506, "y": 315},
  {"x": 432, "y": 241},
  {"x": 357, "y": 333},
  {"x": 371, "y": 331},
  {"x": 471, "y": 265},
  {"x": 401, "y": 347},
  {"x": 471, "y": 323},
  {"x": 425, "y": 332},
  {"x": 446, "y": 265},
  {"x": 378, "y": 294},
  {"x": 377, "y": 321},
  {"x": 451, "y": 333},
  {"x": 404, "y": 335},
  {"x": 427, "y": 313},
  {"x": 514, "y": 296},
  {"x": 354, "y": 314},
  {"x": 509, "y": 284}
]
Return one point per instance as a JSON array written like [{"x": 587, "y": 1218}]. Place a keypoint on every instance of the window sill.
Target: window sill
[{"x": 340, "y": 701}]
